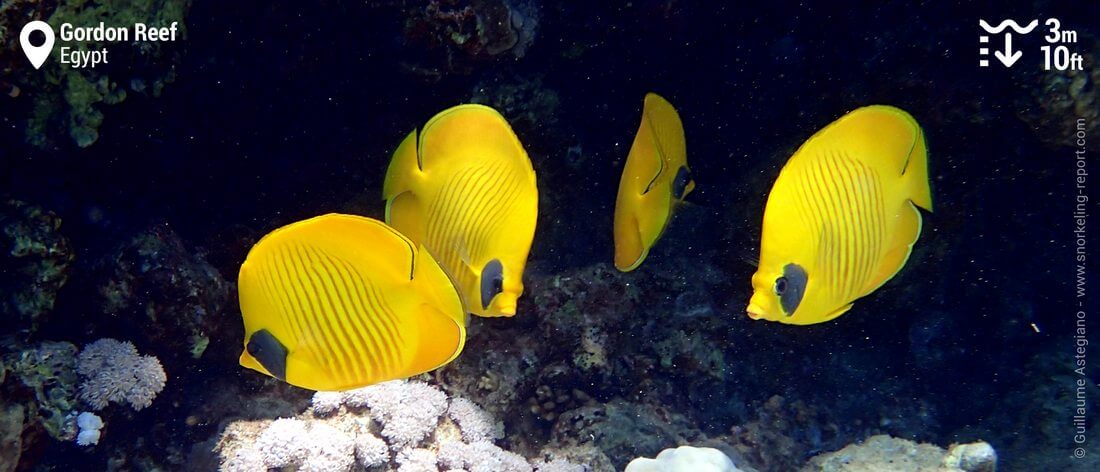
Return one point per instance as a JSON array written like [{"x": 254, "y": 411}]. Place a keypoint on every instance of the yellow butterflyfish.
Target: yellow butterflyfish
[
  {"x": 340, "y": 301},
  {"x": 655, "y": 180},
  {"x": 465, "y": 189},
  {"x": 842, "y": 217}
]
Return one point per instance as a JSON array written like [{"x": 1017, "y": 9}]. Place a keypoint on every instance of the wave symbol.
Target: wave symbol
[{"x": 1006, "y": 23}]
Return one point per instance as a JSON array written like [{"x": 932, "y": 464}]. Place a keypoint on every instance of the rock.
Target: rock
[
  {"x": 156, "y": 280},
  {"x": 883, "y": 452},
  {"x": 11, "y": 435},
  {"x": 974, "y": 457},
  {"x": 36, "y": 258}
]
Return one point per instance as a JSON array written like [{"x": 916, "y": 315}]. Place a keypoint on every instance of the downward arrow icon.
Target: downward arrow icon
[{"x": 1008, "y": 57}]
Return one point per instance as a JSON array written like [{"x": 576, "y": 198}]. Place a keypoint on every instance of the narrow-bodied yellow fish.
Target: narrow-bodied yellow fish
[
  {"x": 465, "y": 189},
  {"x": 655, "y": 180},
  {"x": 339, "y": 302},
  {"x": 842, "y": 217}
]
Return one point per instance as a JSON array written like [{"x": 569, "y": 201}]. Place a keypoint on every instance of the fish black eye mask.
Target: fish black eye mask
[
  {"x": 492, "y": 281},
  {"x": 681, "y": 182},
  {"x": 269, "y": 352},
  {"x": 790, "y": 287}
]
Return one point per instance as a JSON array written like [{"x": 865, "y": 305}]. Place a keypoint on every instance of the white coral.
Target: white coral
[
  {"x": 482, "y": 456},
  {"x": 325, "y": 403},
  {"x": 244, "y": 460},
  {"x": 371, "y": 450},
  {"x": 417, "y": 460},
  {"x": 475, "y": 423},
  {"x": 409, "y": 411},
  {"x": 330, "y": 450},
  {"x": 283, "y": 443},
  {"x": 114, "y": 372}
]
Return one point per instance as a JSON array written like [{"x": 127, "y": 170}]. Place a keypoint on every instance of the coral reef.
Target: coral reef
[
  {"x": 157, "y": 278},
  {"x": 48, "y": 371},
  {"x": 526, "y": 102},
  {"x": 1055, "y": 100},
  {"x": 782, "y": 433},
  {"x": 884, "y": 452},
  {"x": 114, "y": 372},
  {"x": 36, "y": 258},
  {"x": 399, "y": 425},
  {"x": 463, "y": 32},
  {"x": 12, "y": 417},
  {"x": 65, "y": 102}
]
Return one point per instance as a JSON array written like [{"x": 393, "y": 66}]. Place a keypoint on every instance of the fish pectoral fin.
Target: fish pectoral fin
[
  {"x": 907, "y": 231},
  {"x": 463, "y": 251}
]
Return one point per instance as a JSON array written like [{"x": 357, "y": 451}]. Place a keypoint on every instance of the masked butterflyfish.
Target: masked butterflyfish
[
  {"x": 842, "y": 216},
  {"x": 464, "y": 188},
  {"x": 655, "y": 180},
  {"x": 339, "y": 302}
]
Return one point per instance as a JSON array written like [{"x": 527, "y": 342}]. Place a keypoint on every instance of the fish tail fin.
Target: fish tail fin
[{"x": 916, "y": 172}]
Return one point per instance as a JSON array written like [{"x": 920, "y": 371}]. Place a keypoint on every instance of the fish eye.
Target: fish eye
[
  {"x": 780, "y": 285},
  {"x": 253, "y": 347}
]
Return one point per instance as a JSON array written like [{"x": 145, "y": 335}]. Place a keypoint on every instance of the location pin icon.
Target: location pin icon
[{"x": 36, "y": 54}]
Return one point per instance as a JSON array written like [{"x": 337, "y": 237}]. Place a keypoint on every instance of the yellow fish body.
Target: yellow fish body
[
  {"x": 339, "y": 302},
  {"x": 655, "y": 179},
  {"x": 842, "y": 216},
  {"x": 465, "y": 189}
]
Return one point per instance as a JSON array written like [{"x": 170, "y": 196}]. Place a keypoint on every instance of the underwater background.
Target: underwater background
[{"x": 130, "y": 194}]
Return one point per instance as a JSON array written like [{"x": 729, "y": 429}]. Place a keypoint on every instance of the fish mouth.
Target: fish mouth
[{"x": 755, "y": 312}]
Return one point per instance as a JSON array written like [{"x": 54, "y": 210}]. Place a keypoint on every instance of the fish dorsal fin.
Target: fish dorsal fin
[
  {"x": 906, "y": 231},
  {"x": 667, "y": 134},
  {"x": 465, "y": 132},
  {"x": 402, "y": 180}
]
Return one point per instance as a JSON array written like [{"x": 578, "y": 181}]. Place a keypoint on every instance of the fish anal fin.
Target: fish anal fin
[
  {"x": 630, "y": 250},
  {"x": 906, "y": 232},
  {"x": 441, "y": 339},
  {"x": 839, "y": 311}
]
